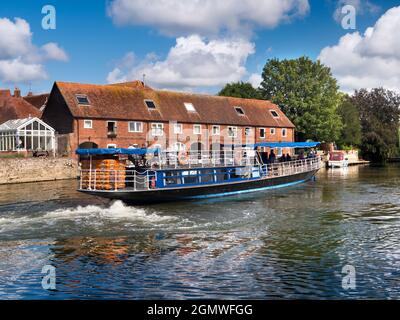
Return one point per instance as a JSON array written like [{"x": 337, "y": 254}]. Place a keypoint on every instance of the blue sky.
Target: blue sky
[{"x": 103, "y": 41}]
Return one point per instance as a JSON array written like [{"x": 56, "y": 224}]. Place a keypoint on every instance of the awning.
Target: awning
[
  {"x": 296, "y": 145},
  {"x": 97, "y": 152}
]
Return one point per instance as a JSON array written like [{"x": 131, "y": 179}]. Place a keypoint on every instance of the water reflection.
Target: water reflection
[{"x": 289, "y": 243}]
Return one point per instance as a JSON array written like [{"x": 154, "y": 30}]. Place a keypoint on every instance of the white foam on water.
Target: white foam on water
[{"x": 117, "y": 211}]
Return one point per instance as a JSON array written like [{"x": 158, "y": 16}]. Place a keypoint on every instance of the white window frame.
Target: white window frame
[
  {"x": 241, "y": 109},
  {"x": 189, "y": 107},
  {"x": 197, "y": 126},
  {"x": 272, "y": 131},
  {"x": 235, "y": 132},
  {"x": 250, "y": 131},
  {"x": 135, "y": 124},
  {"x": 264, "y": 135},
  {"x": 176, "y": 126},
  {"x": 115, "y": 125},
  {"x": 284, "y": 130},
  {"x": 111, "y": 146},
  {"x": 149, "y": 100},
  {"x": 277, "y": 116},
  {"x": 155, "y": 129},
  {"x": 218, "y": 131},
  {"x": 87, "y": 121}
]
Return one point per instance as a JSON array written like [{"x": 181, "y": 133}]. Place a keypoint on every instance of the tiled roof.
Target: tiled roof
[
  {"x": 126, "y": 102},
  {"x": 16, "y": 108},
  {"x": 38, "y": 100}
]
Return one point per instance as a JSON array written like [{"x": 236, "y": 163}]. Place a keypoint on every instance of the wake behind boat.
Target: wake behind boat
[{"x": 151, "y": 175}]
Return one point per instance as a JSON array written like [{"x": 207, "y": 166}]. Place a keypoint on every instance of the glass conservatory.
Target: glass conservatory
[{"x": 30, "y": 134}]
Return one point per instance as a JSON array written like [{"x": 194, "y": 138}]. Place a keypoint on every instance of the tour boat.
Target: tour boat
[{"x": 139, "y": 176}]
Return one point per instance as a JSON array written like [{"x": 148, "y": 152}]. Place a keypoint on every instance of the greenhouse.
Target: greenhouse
[{"x": 30, "y": 134}]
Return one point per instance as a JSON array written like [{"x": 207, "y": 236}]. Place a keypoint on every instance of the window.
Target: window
[
  {"x": 189, "y": 107},
  {"x": 215, "y": 130},
  {"x": 247, "y": 131},
  {"x": 111, "y": 127},
  {"x": 157, "y": 129},
  {"x": 274, "y": 114},
  {"x": 82, "y": 99},
  {"x": 88, "y": 124},
  {"x": 284, "y": 133},
  {"x": 232, "y": 132},
  {"x": 197, "y": 129},
  {"x": 178, "y": 128},
  {"x": 262, "y": 133},
  {"x": 111, "y": 146},
  {"x": 178, "y": 146},
  {"x": 135, "y": 126},
  {"x": 150, "y": 104},
  {"x": 272, "y": 131},
  {"x": 239, "y": 111}
]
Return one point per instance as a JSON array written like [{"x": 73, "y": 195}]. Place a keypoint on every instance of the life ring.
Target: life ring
[
  {"x": 238, "y": 157},
  {"x": 183, "y": 158}
]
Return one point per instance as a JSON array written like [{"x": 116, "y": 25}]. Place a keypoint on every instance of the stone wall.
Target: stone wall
[{"x": 18, "y": 170}]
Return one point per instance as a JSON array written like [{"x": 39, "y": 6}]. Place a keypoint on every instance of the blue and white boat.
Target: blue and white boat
[{"x": 151, "y": 175}]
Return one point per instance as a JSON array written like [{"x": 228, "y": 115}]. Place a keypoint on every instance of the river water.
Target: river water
[{"x": 284, "y": 244}]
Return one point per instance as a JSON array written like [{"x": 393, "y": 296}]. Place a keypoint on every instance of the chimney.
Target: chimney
[
  {"x": 17, "y": 93},
  {"x": 30, "y": 94}
]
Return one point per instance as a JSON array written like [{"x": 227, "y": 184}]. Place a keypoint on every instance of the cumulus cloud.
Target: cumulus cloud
[
  {"x": 20, "y": 59},
  {"x": 255, "y": 79},
  {"x": 206, "y": 17},
  {"x": 192, "y": 62},
  {"x": 368, "y": 60}
]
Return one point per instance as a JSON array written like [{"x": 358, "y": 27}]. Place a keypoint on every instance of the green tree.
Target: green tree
[
  {"x": 351, "y": 130},
  {"x": 379, "y": 114},
  {"x": 307, "y": 93},
  {"x": 240, "y": 90}
]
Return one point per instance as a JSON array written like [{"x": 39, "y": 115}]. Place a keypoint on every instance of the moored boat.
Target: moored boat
[{"x": 151, "y": 175}]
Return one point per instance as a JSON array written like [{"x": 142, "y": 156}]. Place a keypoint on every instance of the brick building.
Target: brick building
[{"x": 125, "y": 114}]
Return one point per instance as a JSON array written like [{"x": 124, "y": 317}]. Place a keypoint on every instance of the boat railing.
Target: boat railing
[{"x": 136, "y": 180}]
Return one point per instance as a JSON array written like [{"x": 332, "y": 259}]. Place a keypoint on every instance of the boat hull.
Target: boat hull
[{"x": 202, "y": 192}]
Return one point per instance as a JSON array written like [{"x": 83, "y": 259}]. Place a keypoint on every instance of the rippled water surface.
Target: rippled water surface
[{"x": 286, "y": 244}]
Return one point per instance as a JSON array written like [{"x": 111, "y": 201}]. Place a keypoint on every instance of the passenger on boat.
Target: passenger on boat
[
  {"x": 264, "y": 157},
  {"x": 288, "y": 157},
  {"x": 283, "y": 158},
  {"x": 272, "y": 157}
]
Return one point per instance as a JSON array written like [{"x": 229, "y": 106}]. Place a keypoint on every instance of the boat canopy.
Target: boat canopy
[
  {"x": 96, "y": 152},
  {"x": 295, "y": 145}
]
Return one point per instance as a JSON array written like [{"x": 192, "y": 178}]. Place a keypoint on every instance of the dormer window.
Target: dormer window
[
  {"x": 189, "y": 107},
  {"x": 274, "y": 114},
  {"x": 150, "y": 104},
  {"x": 239, "y": 111},
  {"x": 82, "y": 99}
]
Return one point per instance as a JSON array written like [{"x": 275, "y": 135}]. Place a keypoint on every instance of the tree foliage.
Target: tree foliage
[
  {"x": 307, "y": 93},
  {"x": 379, "y": 115},
  {"x": 240, "y": 90},
  {"x": 351, "y": 130}
]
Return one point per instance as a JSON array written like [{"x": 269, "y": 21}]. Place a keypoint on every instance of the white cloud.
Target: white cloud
[
  {"x": 361, "y": 6},
  {"x": 255, "y": 79},
  {"x": 20, "y": 60},
  {"x": 52, "y": 51},
  {"x": 193, "y": 62},
  {"x": 206, "y": 17},
  {"x": 368, "y": 60}
]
